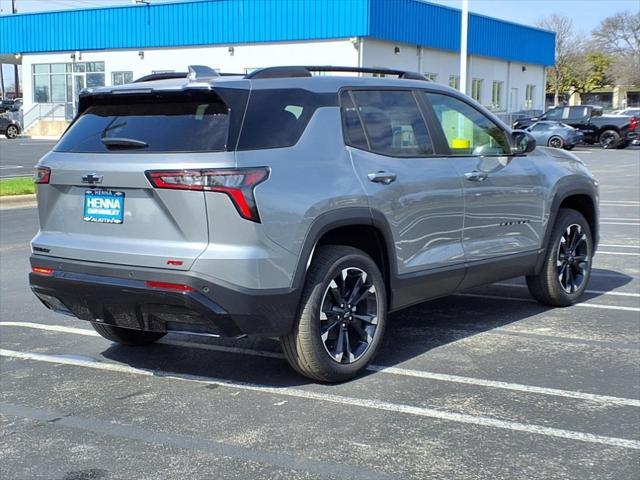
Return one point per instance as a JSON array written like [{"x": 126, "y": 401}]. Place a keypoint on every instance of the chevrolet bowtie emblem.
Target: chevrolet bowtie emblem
[{"x": 92, "y": 178}]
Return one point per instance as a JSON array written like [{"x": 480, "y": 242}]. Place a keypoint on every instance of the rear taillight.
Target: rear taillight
[
  {"x": 169, "y": 286},
  {"x": 42, "y": 175},
  {"x": 43, "y": 271},
  {"x": 236, "y": 183},
  {"x": 633, "y": 123}
]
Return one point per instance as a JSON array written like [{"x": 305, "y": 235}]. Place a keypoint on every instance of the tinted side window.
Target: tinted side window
[
  {"x": 577, "y": 112},
  {"x": 554, "y": 114},
  {"x": 468, "y": 132},
  {"x": 352, "y": 127},
  {"x": 276, "y": 118},
  {"x": 393, "y": 123},
  {"x": 164, "y": 122},
  {"x": 540, "y": 127}
]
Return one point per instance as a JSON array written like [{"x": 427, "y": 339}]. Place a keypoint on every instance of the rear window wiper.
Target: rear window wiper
[{"x": 122, "y": 142}]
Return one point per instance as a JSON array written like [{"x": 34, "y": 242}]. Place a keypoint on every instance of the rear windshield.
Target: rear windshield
[{"x": 150, "y": 123}]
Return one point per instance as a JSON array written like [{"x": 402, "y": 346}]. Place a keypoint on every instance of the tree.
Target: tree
[
  {"x": 619, "y": 36},
  {"x": 587, "y": 72},
  {"x": 566, "y": 50}
]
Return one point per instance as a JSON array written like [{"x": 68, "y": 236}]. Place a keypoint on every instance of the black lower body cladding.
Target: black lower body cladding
[{"x": 119, "y": 296}]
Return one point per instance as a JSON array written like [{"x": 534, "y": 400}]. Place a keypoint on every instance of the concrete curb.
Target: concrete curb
[{"x": 17, "y": 201}]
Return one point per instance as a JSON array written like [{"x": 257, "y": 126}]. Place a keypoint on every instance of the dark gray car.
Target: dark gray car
[
  {"x": 555, "y": 134},
  {"x": 304, "y": 207},
  {"x": 9, "y": 127}
]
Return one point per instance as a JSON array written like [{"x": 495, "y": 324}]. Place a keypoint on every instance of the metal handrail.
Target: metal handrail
[{"x": 41, "y": 111}]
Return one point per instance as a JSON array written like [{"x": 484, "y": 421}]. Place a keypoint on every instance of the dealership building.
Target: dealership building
[{"x": 63, "y": 52}]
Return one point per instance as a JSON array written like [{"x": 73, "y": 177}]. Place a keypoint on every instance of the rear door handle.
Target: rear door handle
[
  {"x": 382, "y": 177},
  {"x": 476, "y": 176}
]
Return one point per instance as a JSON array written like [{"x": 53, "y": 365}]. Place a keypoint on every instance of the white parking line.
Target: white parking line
[
  {"x": 595, "y": 292},
  {"x": 337, "y": 399},
  {"x": 14, "y": 176},
  {"x": 632, "y": 254},
  {"x": 373, "y": 368},
  {"x": 620, "y": 202},
  {"x": 620, "y": 223},
  {"x": 529, "y": 300},
  {"x": 609, "y": 245},
  {"x": 4, "y": 167},
  {"x": 624, "y": 219}
]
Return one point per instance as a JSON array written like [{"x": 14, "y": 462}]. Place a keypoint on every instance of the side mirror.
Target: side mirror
[{"x": 522, "y": 142}]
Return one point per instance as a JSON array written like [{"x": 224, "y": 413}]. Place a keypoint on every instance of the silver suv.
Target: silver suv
[{"x": 300, "y": 206}]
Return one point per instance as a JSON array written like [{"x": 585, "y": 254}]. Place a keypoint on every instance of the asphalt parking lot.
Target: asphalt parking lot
[
  {"x": 19, "y": 155},
  {"x": 482, "y": 385}
]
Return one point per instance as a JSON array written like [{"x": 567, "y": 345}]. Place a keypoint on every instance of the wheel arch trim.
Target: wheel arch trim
[
  {"x": 343, "y": 217},
  {"x": 562, "y": 193}
]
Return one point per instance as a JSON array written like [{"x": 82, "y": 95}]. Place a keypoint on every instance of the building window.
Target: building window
[
  {"x": 496, "y": 95},
  {"x": 60, "y": 82},
  {"x": 50, "y": 82},
  {"x": 528, "y": 97},
  {"x": 431, "y": 76},
  {"x": 476, "y": 89},
  {"x": 121, "y": 78},
  {"x": 454, "y": 81}
]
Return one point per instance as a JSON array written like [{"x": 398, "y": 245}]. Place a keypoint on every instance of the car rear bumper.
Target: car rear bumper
[{"x": 121, "y": 296}]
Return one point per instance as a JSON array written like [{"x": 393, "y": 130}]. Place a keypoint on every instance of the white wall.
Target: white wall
[
  {"x": 336, "y": 52},
  {"x": 377, "y": 53},
  {"x": 373, "y": 53}
]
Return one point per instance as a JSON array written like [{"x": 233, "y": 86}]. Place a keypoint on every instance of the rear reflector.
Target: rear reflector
[
  {"x": 169, "y": 286},
  {"x": 236, "y": 183},
  {"x": 42, "y": 175},
  {"x": 633, "y": 124},
  {"x": 42, "y": 271}
]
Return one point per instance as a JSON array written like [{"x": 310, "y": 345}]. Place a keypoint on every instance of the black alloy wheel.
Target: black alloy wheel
[
  {"x": 348, "y": 315},
  {"x": 573, "y": 258}
]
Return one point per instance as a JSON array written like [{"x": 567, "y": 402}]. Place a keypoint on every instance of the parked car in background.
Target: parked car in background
[
  {"x": 555, "y": 134},
  {"x": 629, "y": 112},
  {"x": 610, "y": 131},
  {"x": 6, "y": 105},
  {"x": 9, "y": 127}
]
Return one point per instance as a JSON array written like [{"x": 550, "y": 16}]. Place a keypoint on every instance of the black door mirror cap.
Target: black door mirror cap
[{"x": 522, "y": 142}]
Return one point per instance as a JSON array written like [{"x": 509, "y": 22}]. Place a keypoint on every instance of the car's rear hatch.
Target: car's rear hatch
[{"x": 99, "y": 204}]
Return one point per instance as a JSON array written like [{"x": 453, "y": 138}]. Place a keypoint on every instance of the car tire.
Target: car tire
[
  {"x": 126, "y": 336},
  {"x": 609, "y": 139},
  {"x": 567, "y": 265},
  {"x": 555, "y": 142},
  {"x": 11, "y": 131},
  {"x": 336, "y": 346}
]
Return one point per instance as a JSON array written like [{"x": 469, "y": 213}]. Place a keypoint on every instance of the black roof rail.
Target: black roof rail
[
  {"x": 279, "y": 72},
  {"x": 161, "y": 76},
  {"x": 305, "y": 71},
  {"x": 169, "y": 75}
]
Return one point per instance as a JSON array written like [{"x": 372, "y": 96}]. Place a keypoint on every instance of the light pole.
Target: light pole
[
  {"x": 464, "y": 28},
  {"x": 15, "y": 65}
]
